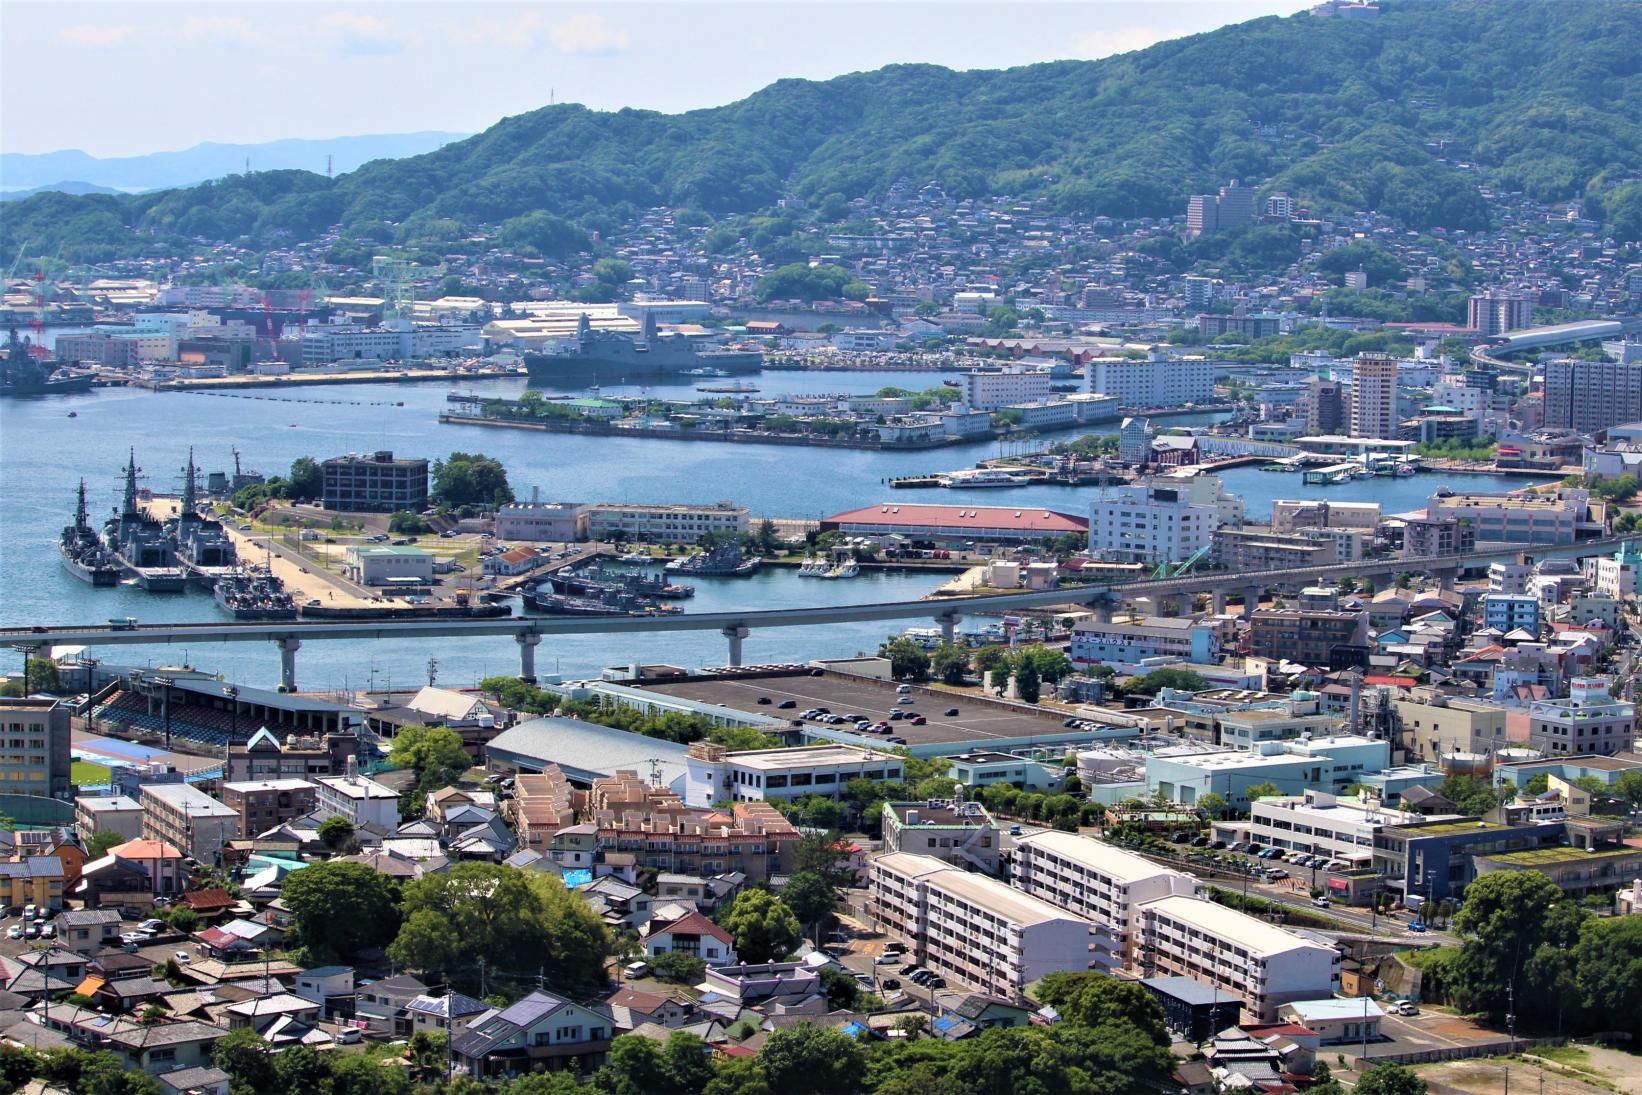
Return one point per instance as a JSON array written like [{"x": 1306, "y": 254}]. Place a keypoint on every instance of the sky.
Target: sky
[{"x": 120, "y": 79}]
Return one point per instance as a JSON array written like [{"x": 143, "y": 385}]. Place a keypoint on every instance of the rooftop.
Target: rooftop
[
  {"x": 999, "y": 898},
  {"x": 1542, "y": 857},
  {"x": 1218, "y": 920},
  {"x": 1113, "y": 862}
]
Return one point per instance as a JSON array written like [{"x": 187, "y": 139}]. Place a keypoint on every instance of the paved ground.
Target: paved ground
[{"x": 978, "y": 723}]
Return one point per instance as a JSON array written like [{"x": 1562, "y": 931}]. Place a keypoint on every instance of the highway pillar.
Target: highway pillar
[
  {"x": 288, "y": 647},
  {"x": 949, "y": 626},
  {"x": 1217, "y": 601},
  {"x": 1251, "y": 600},
  {"x": 1446, "y": 580},
  {"x": 528, "y": 642},
  {"x": 1102, "y": 610},
  {"x": 734, "y": 635}
]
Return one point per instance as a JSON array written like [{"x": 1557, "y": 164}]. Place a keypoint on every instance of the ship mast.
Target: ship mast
[
  {"x": 81, "y": 520},
  {"x": 189, "y": 500},
  {"x": 130, "y": 505}
]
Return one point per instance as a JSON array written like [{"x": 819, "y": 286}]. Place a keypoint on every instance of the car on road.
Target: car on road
[
  {"x": 1417, "y": 926},
  {"x": 906, "y": 700},
  {"x": 1404, "y": 1008},
  {"x": 787, "y": 705},
  {"x": 1014, "y": 830},
  {"x": 1321, "y": 902},
  {"x": 764, "y": 701},
  {"x": 951, "y": 712},
  {"x": 1274, "y": 873}
]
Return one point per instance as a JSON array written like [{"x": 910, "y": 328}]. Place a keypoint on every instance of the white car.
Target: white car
[
  {"x": 14, "y": 932},
  {"x": 182, "y": 958}
]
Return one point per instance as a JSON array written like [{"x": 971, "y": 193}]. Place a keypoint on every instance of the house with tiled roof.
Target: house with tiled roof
[
  {"x": 541, "y": 1031},
  {"x": 694, "y": 935}
]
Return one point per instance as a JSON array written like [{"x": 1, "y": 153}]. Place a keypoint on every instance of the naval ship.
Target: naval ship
[
  {"x": 139, "y": 543},
  {"x": 613, "y": 354},
  {"x": 84, "y": 556}
]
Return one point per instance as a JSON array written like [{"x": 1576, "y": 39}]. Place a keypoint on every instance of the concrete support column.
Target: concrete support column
[
  {"x": 1446, "y": 580},
  {"x": 1102, "y": 610},
  {"x": 287, "y": 662},
  {"x": 948, "y": 623},
  {"x": 528, "y": 642},
  {"x": 1251, "y": 599},
  {"x": 734, "y": 635},
  {"x": 1217, "y": 601}
]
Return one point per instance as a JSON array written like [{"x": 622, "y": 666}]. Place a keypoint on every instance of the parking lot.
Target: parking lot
[{"x": 979, "y": 723}]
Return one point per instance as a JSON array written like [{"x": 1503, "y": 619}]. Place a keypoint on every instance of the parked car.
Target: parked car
[
  {"x": 787, "y": 705},
  {"x": 1274, "y": 873},
  {"x": 891, "y": 984},
  {"x": 635, "y": 969},
  {"x": 349, "y": 1036},
  {"x": 903, "y": 689},
  {"x": 14, "y": 932},
  {"x": 1417, "y": 926},
  {"x": 908, "y": 969},
  {"x": 951, "y": 712},
  {"x": 764, "y": 701},
  {"x": 183, "y": 957},
  {"x": 918, "y": 720},
  {"x": 906, "y": 700},
  {"x": 1404, "y": 1007}
]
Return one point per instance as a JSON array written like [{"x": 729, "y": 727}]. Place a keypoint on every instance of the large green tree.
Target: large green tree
[
  {"x": 1508, "y": 916},
  {"x": 811, "y": 1060},
  {"x": 764, "y": 928},
  {"x": 470, "y": 479},
  {"x": 434, "y": 753},
  {"x": 340, "y": 909}
]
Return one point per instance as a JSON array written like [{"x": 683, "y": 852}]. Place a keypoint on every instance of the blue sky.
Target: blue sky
[{"x": 127, "y": 78}]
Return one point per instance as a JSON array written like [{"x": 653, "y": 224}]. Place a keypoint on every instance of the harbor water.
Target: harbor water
[{"x": 44, "y": 453}]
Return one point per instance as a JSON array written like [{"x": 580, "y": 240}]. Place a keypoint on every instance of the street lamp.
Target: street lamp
[{"x": 232, "y": 693}]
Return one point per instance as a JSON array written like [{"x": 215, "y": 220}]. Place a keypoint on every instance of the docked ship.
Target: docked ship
[
  {"x": 595, "y": 581},
  {"x": 21, "y": 373},
  {"x": 254, "y": 594},
  {"x": 200, "y": 545},
  {"x": 723, "y": 560},
  {"x": 609, "y": 603},
  {"x": 84, "y": 555},
  {"x": 139, "y": 544},
  {"x": 612, "y": 353}
]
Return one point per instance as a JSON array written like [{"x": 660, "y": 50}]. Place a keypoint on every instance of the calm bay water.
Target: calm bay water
[{"x": 44, "y": 453}]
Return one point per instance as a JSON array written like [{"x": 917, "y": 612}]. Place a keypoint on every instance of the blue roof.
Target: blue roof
[{"x": 572, "y": 879}]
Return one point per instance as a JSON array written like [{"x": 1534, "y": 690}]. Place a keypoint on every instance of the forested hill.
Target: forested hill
[{"x": 1543, "y": 96}]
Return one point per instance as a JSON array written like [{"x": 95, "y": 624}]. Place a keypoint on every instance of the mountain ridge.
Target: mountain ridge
[{"x": 1538, "y": 96}]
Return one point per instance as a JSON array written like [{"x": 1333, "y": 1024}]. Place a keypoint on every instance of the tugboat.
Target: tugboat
[
  {"x": 83, "y": 554},
  {"x": 723, "y": 560}
]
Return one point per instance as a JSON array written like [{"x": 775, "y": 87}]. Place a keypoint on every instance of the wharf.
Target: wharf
[
  {"x": 371, "y": 376},
  {"x": 734, "y": 437}
]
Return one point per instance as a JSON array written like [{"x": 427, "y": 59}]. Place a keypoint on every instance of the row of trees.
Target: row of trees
[{"x": 674, "y": 726}]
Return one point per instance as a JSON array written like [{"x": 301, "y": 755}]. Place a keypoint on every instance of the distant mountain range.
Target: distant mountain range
[
  {"x": 159, "y": 170},
  {"x": 1411, "y": 113},
  {"x": 67, "y": 186}
]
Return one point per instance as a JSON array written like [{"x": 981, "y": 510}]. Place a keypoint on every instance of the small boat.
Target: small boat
[
  {"x": 74, "y": 414},
  {"x": 1405, "y": 470},
  {"x": 985, "y": 477},
  {"x": 635, "y": 558},
  {"x": 847, "y": 569},
  {"x": 812, "y": 567}
]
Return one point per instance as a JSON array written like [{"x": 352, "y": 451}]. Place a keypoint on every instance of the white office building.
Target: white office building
[
  {"x": 1185, "y": 774},
  {"x": 714, "y": 774},
  {"x": 972, "y": 929},
  {"x": 1159, "y": 520},
  {"x": 994, "y": 389},
  {"x": 1590, "y": 720},
  {"x": 1257, "y": 963},
  {"x": 664, "y": 523},
  {"x": 1103, "y": 884},
  {"x": 1318, "y": 823},
  {"x": 1159, "y": 381},
  {"x": 361, "y": 800}
]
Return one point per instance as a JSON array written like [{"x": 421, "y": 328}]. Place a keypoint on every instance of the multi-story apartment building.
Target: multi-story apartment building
[
  {"x": 973, "y": 929},
  {"x": 1590, "y": 720},
  {"x": 1512, "y": 518},
  {"x": 1095, "y": 642},
  {"x": 374, "y": 483},
  {"x": 1103, "y": 884},
  {"x": 1616, "y": 575},
  {"x": 655, "y": 826},
  {"x": 714, "y": 774},
  {"x": 1158, "y": 381},
  {"x": 1306, "y": 637},
  {"x": 361, "y": 800},
  {"x": 263, "y": 804},
  {"x": 664, "y": 523},
  {"x": 1325, "y": 406},
  {"x": 1498, "y": 311},
  {"x": 1374, "y": 397},
  {"x": 1509, "y": 611},
  {"x": 1290, "y": 515},
  {"x": 1260, "y": 964},
  {"x": 957, "y": 832},
  {"x": 36, "y": 759},
  {"x": 1432, "y": 724},
  {"x": 539, "y": 808},
  {"x": 108, "y": 814},
  {"x": 1430, "y": 537},
  {"x": 1148, "y": 524},
  {"x": 994, "y": 389},
  {"x": 1253, "y": 547},
  {"x": 185, "y": 817},
  {"x": 1590, "y": 396}
]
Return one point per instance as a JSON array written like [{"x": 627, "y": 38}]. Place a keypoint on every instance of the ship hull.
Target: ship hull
[
  {"x": 71, "y": 386},
  {"x": 97, "y": 576},
  {"x": 621, "y": 364}
]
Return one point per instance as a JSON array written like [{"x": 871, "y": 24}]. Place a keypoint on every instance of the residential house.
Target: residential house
[
  {"x": 693, "y": 935},
  {"x": 540, "y": 1031}
]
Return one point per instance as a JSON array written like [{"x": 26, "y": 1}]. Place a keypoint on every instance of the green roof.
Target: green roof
[
  {"x": 1538, "y": 857},
  {"x": 1448, "y": 828}
]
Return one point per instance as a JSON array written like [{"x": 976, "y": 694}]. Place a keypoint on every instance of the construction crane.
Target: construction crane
[
  {"x": 398, "y": 276},
  {"x": 1170, "y": 570}
]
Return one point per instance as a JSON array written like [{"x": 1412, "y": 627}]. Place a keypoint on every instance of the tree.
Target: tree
[
  {"x": 686, "y": 969},
  {"x": 824, "y": 853},
  {"x": 989, "y": 658},
  {"x": 470, "y": 479},
  {"x": 101, "y": 841},
  {"x": 1028, "y": 683},
  {"x": 907, "y": 660},
  {"x": 1158, "y": 679},
  {"x": 245, "y": 1057},
  {"x": 764, "y": 928},
  {"x": 477, "y": 911},
  {"x": 434, "y": 753},
  {"x": 1504, "y": 921},
  {"x": 811, "y": 1060},
  {"x": 335, "y": 831},
  {"x": 1212, "y": 805},
  {"x": 1094, "y": 999},
  {"x": 949, "y": 663},
  {"x": 766, "y": 539},
  {"x": 307, "y": 481},
  {"x": 1390, "y": 1079},
  {"x": 1051, "y": 665},
  {"x": 1609, "y": 968},
  {"x": 341, "y": 909},
  {"x": 1267, "y": 789},
  {"x": 810, "y": 897},
  {"x": 183, "y": 919}
]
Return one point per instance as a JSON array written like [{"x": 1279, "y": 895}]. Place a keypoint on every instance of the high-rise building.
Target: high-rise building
[
  {"x": 1134, "y": 441},
  {"x": 1198, "y": 293},
  {"x": 1232, "y": 207},
  {"x": 1592, "y": 395},
  {"x": 1374, "y": 397},
  {"x": 1325, "y": 407},
  {"x": 1497, "y": 311},
  {"x": 1158, "y": 381},
  {"x": 37, "y": 760}
]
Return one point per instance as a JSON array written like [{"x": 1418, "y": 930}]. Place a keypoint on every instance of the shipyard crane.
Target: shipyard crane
[{"x": 398, "y": 276}]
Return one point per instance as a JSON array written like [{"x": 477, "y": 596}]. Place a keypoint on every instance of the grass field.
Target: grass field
[{"x": 87, "y": 774}]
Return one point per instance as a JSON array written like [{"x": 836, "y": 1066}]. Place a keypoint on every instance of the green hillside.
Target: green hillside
[{"x": 1543, "y": 96}]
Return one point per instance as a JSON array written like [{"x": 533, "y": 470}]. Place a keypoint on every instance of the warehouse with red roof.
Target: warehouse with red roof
[{"x": 949, "y": 523}]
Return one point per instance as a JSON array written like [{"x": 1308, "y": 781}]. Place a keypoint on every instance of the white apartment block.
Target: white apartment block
[
  {"x": 1290, "y": 515},
  {"x": 992, "y": 389},
  {"x": 361, "y": 800},
  {"x": 714, "y": 774},
  {"x": 1103, "y": 884},
  {"x": 1155, "y": 382},
  {"x": 1149, "y": 524},
  {"x": 1249, "y": 960},
  {"x": 1514, "y": 518},
  {"x": 1588, "y": 721},
  {"x": 670, "y": 524},
  {"x": 975, "y": 930}
]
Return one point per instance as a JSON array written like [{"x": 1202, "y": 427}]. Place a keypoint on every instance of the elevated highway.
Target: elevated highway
[
  {"x": 529, "y": 631},
  {"x": 1534, "y": 338}
]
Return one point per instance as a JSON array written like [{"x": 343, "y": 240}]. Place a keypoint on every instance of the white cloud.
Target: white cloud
[
  {"x": 224, "y": 30},
  {"x": 588, "y": 34},
  {"x": 89, "y": 36},
  {"x": 519, "y": 33},
  {"x": 1095, "y": 44},
  {"x": 363, "y": 35}
]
